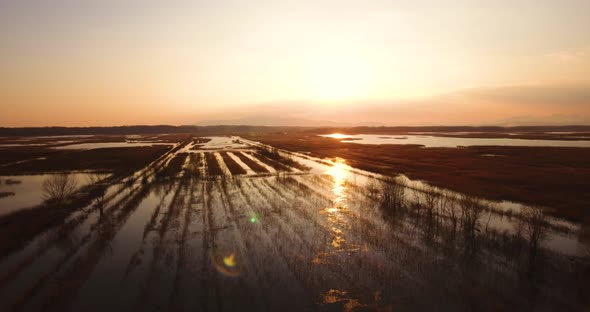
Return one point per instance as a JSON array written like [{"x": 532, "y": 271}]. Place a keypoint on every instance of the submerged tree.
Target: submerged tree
[
  {"x": 57, "y": 188},
  {"x": 471, "y": 210},
  {"x": 534, "y": 227},
  {"x": 98, "y": 190},
  {"x": 393, "y": 194}
]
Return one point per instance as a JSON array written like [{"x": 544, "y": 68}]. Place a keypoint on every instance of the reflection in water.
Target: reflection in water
[
  {"x": 338, "y": 174},
  {"x": 337, "y": 216},
  {"x": 337, "y": 240},
  {"x": 334, "y": 296},
  {"x": 59, "y": 187},
  {"x": 439, "y": 141}
]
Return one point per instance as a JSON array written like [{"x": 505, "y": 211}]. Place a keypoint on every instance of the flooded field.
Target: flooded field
[
  {"x": 27, "y": 191},
  {"x": 229, "y": 224},
  {"x": 83, "y": 142},
  {"x": 107, "y": 145},
  {"x": 442, "y": 141}
]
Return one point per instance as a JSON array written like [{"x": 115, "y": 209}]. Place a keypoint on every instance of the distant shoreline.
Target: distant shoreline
[{"x": 231, "y": 129}]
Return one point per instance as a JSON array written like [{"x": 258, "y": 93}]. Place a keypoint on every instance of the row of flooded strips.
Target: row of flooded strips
[{"x": 239, "y": 226}]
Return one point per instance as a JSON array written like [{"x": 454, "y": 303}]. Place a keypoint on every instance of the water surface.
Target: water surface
[
  {"x": 197, "y": 239},
  {"x": 437, "y": 141},
  {"x": 28, "y": 190}
]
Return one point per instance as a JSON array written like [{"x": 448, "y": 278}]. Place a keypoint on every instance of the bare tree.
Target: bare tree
[
  {"x": 393, "y": 194},
  {"x": 373, "y": 188},
  {"x": 448, "y": 207},
  {"x": 58, "y": 187},
  {"x": 98, "y": 191},
  {"x": 534, "y": 227},
  {"x": 431, "y": 199},
  {"x": 471, "y": 210}
]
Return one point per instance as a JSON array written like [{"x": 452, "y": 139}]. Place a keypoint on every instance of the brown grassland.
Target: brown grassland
[
  {"x": 555, "y": 178},
  {"x": 41, "y": 160}
]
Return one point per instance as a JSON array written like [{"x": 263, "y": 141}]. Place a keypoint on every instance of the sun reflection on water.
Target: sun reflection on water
[
  {"x": 338, "y": 136},
  {"x": 339, "y": 174}
]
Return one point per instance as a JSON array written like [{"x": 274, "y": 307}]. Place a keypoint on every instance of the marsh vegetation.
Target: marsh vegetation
[{"x": 195, "y": 229}]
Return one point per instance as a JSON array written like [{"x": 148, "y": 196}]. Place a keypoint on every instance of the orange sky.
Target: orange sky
[{"x": 78, "y": 63}]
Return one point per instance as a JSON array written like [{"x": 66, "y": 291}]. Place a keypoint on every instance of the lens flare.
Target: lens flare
[
  {"x": 226, "y": 264},
  {"x": 229, "y": 261}
]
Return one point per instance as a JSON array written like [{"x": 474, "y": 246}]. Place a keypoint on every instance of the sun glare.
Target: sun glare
[
  {"x": 338, "y": 136},
  {"x": 337, "y": 78}
]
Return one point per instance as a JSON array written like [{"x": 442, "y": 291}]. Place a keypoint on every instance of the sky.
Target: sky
[{"x": 124, "y": 62}]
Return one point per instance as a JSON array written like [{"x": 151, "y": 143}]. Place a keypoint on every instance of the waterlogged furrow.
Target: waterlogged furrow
[
  {"x": 73, "y": 271},
  {"x": 77, "y": 221},
  {"x": 276, "y": 165},
  {"x": 261, "y": 229},
  {"x": 213, "y": 166},
  {"x": 256, "y": 167},
  {"x": 222, "y": 165},
  {"x": 163, "y": 262},
  {"x": 70, "y": 241},
  {"x": 116, "y": 291},
  {"x": 255, "y": 159},
  {"x": 90, "y": 221},
  {"x": 234, "y": 167},
  {"x": 192, "y": 232},
  {"x": 243, "y": 165},
  {"x": 247, "y": 278},
  {"x": 290, "y": 237},
  {"x": 187, "y": 280}
]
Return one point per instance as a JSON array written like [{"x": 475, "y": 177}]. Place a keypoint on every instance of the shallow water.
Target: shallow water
[
  {"x": 28, "y": 192},
  {"x": 220, "y": 143},
  {"x": 437, "y": 141},
  {"x": 82, "y": 146},
  {"x": 292, "y": 240}
]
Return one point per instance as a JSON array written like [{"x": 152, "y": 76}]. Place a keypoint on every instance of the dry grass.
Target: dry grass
[
  {"x": 212, "y": 165},
  {"x": 233, "y": 166},
  {"x": 173, "y": 168},
  {"x": 125, "y": 159},
  {"x": 278, "y": 166},
  {"x": 252, "y": 164},
  {"x": 558, "y": 178}
]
